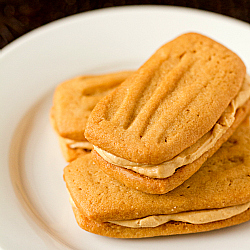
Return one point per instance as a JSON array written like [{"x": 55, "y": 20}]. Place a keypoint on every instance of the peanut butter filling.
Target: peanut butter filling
[
  {"x": 194, "y": 217},
  {"x": 79, "y": 144},
  {"x": 192, "y": 153}
]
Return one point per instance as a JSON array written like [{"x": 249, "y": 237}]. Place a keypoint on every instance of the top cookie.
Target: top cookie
[{"x": 169, "y": 102}]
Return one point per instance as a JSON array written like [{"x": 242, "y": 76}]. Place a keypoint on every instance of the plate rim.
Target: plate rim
[
  {"x": 74, "y": 18},
  {"x": 44, "y": 28}
]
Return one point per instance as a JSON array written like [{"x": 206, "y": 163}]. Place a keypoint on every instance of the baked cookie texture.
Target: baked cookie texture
[
  {"x": 162, "y": 108},
  {"x": 73, "y": 102},
  {"x": 222, "y": 181},
  {"x": 170, "y": 103},
  {"x": 164, "y": 185}
]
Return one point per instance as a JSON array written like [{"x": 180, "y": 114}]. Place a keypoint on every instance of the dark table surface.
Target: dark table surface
[{"x": 18, "y": 17}]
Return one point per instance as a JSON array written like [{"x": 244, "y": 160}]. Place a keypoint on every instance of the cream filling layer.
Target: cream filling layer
[
  {"x": 189, "y": 155},
  {"x": 194, "y": 217},
  {"x": 79, "y": 144}
]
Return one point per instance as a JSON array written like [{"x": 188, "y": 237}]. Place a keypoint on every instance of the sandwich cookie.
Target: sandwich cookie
[
  {"x": 159, "y": 126},
  {"x": 216, "y": 196},
  {"x": 73, "y": 101}
]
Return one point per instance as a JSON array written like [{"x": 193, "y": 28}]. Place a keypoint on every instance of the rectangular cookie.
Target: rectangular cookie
[
  {"x": 216, "y": 196},
  {"x": 158, "y": 127},
  {"x": 72, "y": 103}
]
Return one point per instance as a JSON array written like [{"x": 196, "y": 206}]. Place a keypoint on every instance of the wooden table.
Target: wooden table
[{"x": 18, "y": 17}]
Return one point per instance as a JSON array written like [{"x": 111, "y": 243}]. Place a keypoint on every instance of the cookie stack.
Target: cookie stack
[{"x": 151, "y": 171}]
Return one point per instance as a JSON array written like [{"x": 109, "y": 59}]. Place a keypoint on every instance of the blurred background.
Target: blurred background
[{"x": 18, "y": 17}]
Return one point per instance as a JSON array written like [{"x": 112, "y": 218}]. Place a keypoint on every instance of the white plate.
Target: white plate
[{"x": 34, "y": 208}]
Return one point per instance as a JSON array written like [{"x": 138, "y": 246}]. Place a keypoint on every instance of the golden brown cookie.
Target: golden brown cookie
[
  {"x": 216, "y": 196},
  {"x": 164, "y": 185},
  {"x": 73, "y": 101},
  {"x": 158, "y": 127}
]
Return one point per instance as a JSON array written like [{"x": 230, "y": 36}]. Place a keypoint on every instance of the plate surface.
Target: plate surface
[{"x": 34, "y": 208}]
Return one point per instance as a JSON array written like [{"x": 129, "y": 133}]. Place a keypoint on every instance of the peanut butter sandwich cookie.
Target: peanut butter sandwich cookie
[
  {"x": 159, "y": 126},
  {"x": 72, "y": 104},
  {"x": 216, "y": 196}
]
